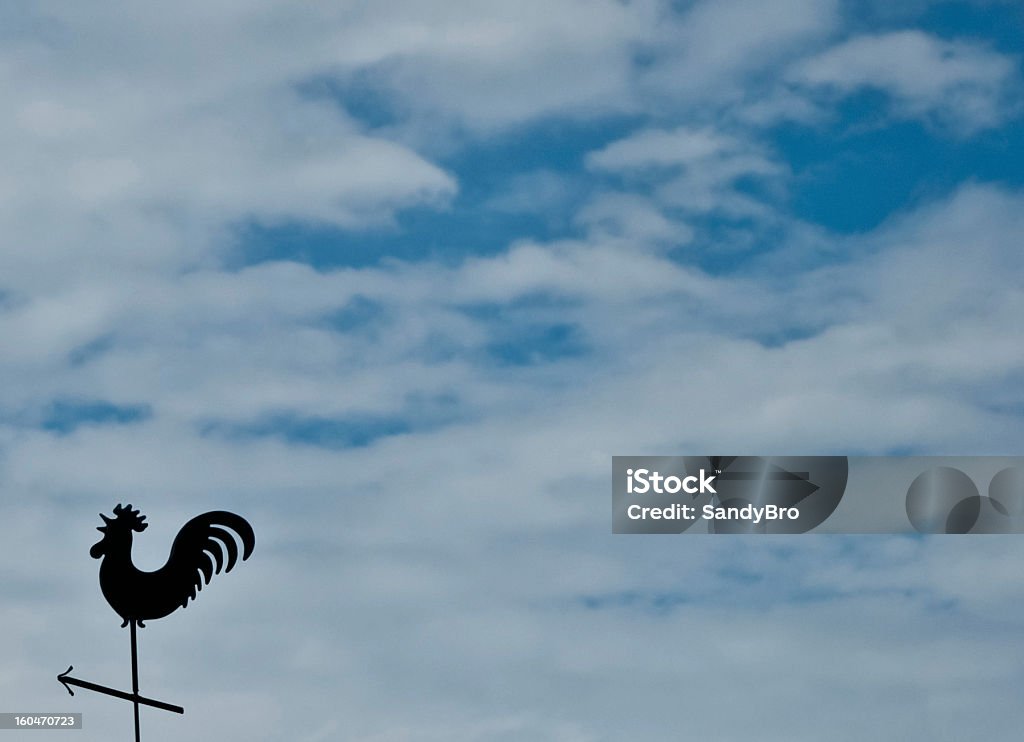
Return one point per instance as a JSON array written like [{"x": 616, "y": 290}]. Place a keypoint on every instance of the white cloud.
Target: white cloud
[
  {"x": 961, "y": 84},
  {"x": 660, "y": 148},
  {"x": 574, "y": 269},
  {"x": 134, "y": 168},
  {"x": 631, "y": 217},
  {"x": 711, "y": 50},
  {"x": 536, "y": 192},
  {"x": 704, "y": 166},
  {"x": 495, "y": 64}
]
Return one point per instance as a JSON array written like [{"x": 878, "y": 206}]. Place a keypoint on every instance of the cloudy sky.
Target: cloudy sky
[{"x": 396, "y": 279}]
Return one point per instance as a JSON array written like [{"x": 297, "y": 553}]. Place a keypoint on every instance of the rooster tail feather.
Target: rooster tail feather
[
  {"x": 206, "y": 545},
  {"x": 229, "y": 545}
]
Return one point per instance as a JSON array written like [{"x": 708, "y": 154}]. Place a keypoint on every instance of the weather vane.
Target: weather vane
[{"x": 203, "y": 547}]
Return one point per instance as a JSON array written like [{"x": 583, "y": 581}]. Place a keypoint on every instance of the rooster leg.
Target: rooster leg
[
  {"x": 125, "y": 623},
  {"x": 139, "y": 622}
]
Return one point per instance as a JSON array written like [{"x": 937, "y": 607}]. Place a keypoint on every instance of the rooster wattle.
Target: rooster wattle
[{"x": 198, "y": 552}]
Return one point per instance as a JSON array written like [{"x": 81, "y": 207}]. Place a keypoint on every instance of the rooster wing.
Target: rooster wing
[{"x": 201, "y": 547}]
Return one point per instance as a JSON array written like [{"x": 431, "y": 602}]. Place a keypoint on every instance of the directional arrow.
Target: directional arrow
[
  {"x": 800, "y": 476},
  {"x": 800, "y": 488},
  {"x": 68, "y": 681}
]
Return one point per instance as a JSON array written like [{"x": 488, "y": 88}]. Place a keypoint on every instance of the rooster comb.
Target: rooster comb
[{"x": 127, "y": 517}]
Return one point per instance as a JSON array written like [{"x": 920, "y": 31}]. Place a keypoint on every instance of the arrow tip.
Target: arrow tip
[{"x": 63, "y": 682}]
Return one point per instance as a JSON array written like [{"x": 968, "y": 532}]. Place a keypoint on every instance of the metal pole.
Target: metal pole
[{"x": 135, "y": 680}]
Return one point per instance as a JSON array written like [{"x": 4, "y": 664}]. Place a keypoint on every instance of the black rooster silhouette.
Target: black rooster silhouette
[{"x": 198, "y": 551}]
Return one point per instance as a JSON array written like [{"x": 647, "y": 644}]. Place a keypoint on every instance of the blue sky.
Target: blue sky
[{"x": 396, "y": 280}]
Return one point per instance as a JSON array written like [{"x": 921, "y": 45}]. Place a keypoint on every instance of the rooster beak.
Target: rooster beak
[{"x": 97, "y": 550}]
